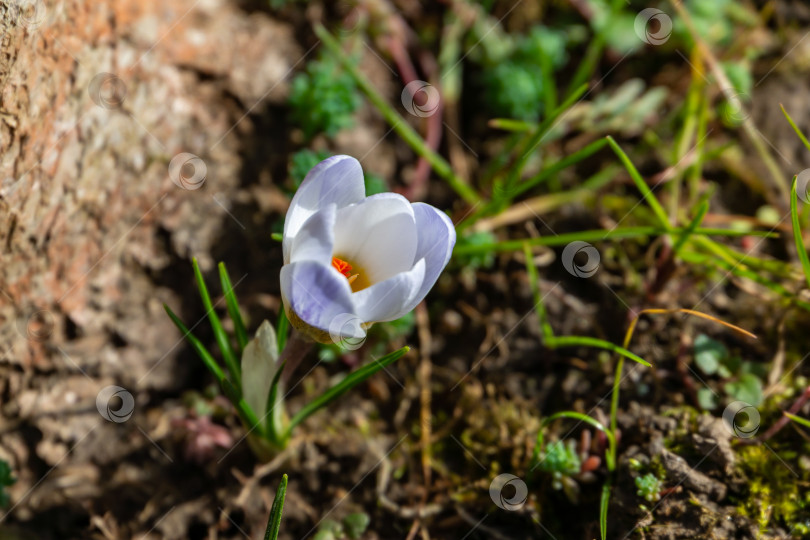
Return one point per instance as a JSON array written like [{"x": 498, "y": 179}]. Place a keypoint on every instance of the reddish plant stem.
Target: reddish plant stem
[
  {"x": 294, "y": 352},
  {"x": 396, "y": 44},
  {"x": 782, "y": 422}
]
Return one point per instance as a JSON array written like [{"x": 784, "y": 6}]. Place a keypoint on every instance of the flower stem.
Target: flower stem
[{"x": 295, "y": 350}]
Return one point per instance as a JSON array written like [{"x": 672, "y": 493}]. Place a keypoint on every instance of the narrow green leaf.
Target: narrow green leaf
[
  {"x": 574, "y": 341},
  {"x": 539, "y": 307},
  {"x": 596, "y": 45},
  {"x": 395, "y": 120},
  {"x": 795, "y": 127},
  {"x": 603, "y": 509},
  {"x": 233, "y": 308},
  {"x": 597, "y": 235},
  {"x": 195, "y": 343},
  {"x": 798, "y": 238},
  {"x": 510, "y": 124},
  {"x": 231, "y": 392},
  {"x": 560, "y": 165},
  {"x": 247, "y": 414},
  {"x": 576, "y": 416},
  {"x": 274, "y": 521},
  {"x": 350, "y": 381},
  {"x": 798, "y": 419},
  {"x": 222, "y": 338},
  {"x": 277, "y": 236},
  {"x": 270, "y": 408},
  {"x": 739, "y": 271},
  {"x": 703, "y": 208},
  {"x": 537, "y": 137},
  {"x": 646, "y": 191}
]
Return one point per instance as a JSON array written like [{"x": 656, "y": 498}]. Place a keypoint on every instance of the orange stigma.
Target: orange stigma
[
  {"x": 342, "y": 266},
  {"x": 345, "y": 268}
]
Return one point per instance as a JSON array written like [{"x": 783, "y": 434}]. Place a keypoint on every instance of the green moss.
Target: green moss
[{"x": 775, "y": 494}]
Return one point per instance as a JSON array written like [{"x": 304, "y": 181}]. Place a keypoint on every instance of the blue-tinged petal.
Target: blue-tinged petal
[
  {"x": 389, "y": 299},
  {"x": 337, "y": 180},
  {"x": 318, "y": 299},
  {"x": 436, "y": 237},
  {"x": 316, "y": 237}
]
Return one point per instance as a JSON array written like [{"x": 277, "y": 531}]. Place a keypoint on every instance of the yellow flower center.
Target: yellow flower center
[{"x": 357, "y": 279}]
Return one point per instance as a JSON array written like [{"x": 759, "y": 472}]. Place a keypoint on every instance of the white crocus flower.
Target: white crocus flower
[{"x": 352, "y": 260}]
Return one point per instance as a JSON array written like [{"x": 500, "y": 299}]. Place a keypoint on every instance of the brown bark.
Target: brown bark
[{"x": 97, "y": 98}]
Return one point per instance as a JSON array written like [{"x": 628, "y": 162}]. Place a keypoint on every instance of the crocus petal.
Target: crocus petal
[
  {"x": 259, "y": 364},
  {"x": 387, "y": 300},
  {"x": 337, "y": 180},
  {"x": 436, "y": 238},
  {"x": 318, "y": 296},
  {"x": 316, "y": 237},
  {"x": 378, "y": 235}
]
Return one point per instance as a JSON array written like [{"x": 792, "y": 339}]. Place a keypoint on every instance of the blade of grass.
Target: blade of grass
[
  {"x": 702, "y": 210},
  {"x": 798, "y": 238},
  {"x": 798, "y": 419},
  {"x": 687, "y": 132},
  {"x": 594, "y": 51},
  {"x": 269, "y": 409},
  {"x": 231, "y": 392},
  {"x": 696, "y": 169},
  {"x": 397, "y": 123},
  {"x": 737, "y": 270},
  {"x": 576, "y": 416},
  {"x": 247, "y": 414},
  {"x": 537, "y": 136},
  {"x": 527, "y": 209},
  {"x": 554, "y": 342},
  {"x": 274, "y": 521},
  {"x": 730, "y": 92},
  {"x": 795, "y": 127},
  {"x": 603, "y": 508},
  {"x": 512, "y": 125},
  {"x": 558, "y": 166},
  {"x": 597, "y": 235},
  {"x": 222, "y": 338},
  {"x": 549, "y": 82},
  {"x": 233, "y": 308},
  {"x": 534, "y": 283},
  {"x": 351, "y": 380},
  {"x": 503, "y": 190},
  {"x": 585, "y": 341},
  {"x": 198, "y": 347},
  {"x": 646, "y": 191}
]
